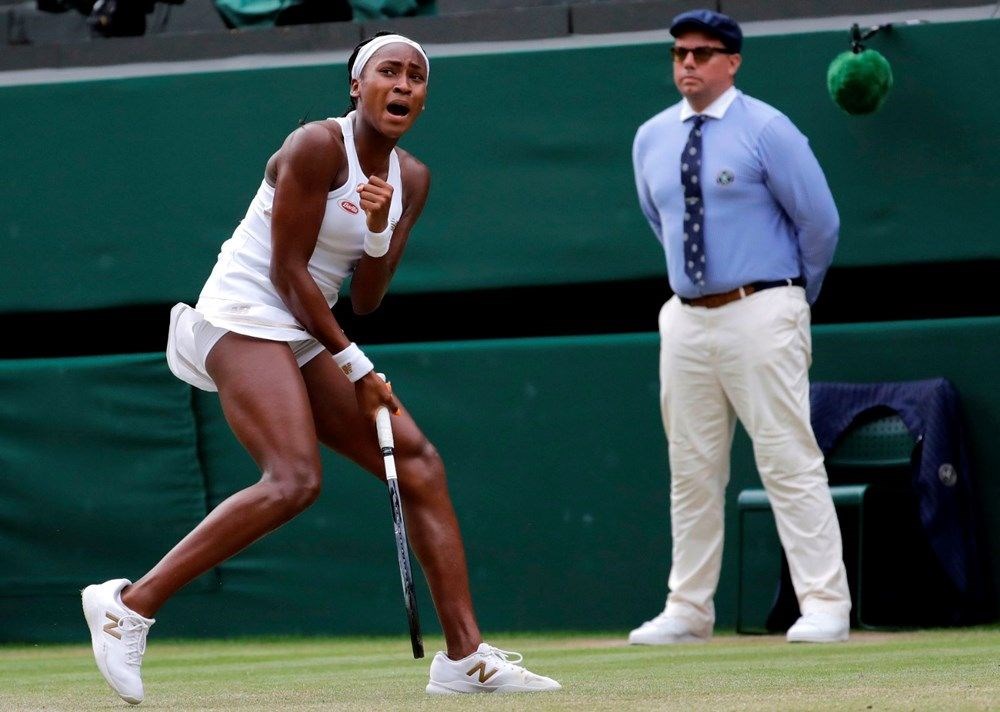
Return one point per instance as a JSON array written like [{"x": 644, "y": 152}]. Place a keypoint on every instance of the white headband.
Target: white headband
[{"x": 367, "y": 50}]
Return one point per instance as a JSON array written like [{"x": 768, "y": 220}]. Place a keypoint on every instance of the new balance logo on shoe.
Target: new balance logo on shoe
[
  {"x": 112, "y": 627},
  {"x": 118, "y": 660},
  {"x": 480, "y": 667},
  {"x": 486, "y": 670}
]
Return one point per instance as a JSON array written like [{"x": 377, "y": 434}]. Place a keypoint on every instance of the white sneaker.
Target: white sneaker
[
  {"x": 819, "y": 628},
  {"x": 118, "y": 635},
  {"x": 667, "y": 630},
  {"x": 488, "y": 669}
]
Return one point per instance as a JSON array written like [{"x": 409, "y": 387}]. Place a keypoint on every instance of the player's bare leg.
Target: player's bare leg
[
  {"x": 271, "y": 417},
  {"x": 470, "y": 665}
]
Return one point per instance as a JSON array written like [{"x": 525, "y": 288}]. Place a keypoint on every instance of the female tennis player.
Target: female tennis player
[{"x": 339, "y": 197}]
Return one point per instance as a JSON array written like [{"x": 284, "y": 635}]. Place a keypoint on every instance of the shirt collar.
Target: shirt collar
[{"x": 716, "y": 110}]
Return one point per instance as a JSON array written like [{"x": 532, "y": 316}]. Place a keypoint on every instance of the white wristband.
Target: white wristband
[
  {"x": 353, "y": 363},
  {"x": 377, "y": 243}
]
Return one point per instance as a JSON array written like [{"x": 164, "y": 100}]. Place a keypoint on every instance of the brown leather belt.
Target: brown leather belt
[{"x": 711, "y": 301}]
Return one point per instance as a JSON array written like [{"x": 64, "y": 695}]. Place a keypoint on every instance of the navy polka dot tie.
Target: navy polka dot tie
[{"x": 694, "y": 208}]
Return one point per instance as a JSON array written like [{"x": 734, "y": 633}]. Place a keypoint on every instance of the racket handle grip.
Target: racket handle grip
[{"x": 383, "y": 426}]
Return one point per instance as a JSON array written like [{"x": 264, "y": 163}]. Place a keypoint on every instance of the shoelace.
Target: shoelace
[
  {"x": 506, "y": 655},
  {"x": 134, "y": 631}
]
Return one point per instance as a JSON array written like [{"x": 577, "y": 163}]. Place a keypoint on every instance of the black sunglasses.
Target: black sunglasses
[{"x": 701, "y": 54}]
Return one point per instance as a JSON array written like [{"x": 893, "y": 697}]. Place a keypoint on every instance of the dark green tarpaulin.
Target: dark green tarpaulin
[
  {"x": 556, "y": 463},
  {"x": 99, "y": 471}
]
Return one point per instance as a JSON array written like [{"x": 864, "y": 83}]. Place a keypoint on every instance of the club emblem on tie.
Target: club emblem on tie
[{"x": 725, "y": 177}]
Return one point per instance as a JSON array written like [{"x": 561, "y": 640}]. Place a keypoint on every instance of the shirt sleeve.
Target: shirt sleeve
[
  {"x": 797, "y": 182},
  {"x": 642, "y": 188}
]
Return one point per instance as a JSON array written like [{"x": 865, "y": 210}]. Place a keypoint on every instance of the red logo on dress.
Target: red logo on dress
[{"x": 349, "y": 207}]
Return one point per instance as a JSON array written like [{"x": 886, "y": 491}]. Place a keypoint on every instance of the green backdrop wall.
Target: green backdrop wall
[
  {"x": 557, "y": 466},
  {"x": 120, "y": 191}
]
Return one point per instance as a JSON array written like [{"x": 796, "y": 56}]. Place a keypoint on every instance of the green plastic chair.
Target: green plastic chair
[{"x": 875, "y": 451}]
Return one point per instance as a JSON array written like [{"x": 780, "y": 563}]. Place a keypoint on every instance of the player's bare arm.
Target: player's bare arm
[
  {"x": 306, "y": 166},
  {"x": 373, "y": 274}
]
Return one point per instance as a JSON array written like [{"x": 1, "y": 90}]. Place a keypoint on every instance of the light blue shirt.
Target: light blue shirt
[{"x": 769, "y": 213}]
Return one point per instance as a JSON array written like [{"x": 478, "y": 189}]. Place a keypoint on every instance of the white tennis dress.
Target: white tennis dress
[{"x": 239, "y": 296}]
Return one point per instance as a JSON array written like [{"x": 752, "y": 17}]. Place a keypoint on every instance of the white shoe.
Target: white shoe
[
  {"x": 819, "y": 628},
  {"x": 666, "y": 630},
  {"x": 488, "y": 669},
  {"x": 118, "y": 635}
]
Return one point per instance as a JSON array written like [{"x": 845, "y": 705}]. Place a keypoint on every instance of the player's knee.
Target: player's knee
[
  {"x": 292, "y": 488},
  {"x": 422, "y": 472}
]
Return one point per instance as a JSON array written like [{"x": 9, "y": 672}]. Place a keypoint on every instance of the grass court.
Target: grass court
[{"x": 954, "y": 669}]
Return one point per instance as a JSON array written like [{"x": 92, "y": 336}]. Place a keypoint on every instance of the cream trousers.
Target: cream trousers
[{"x": 749, "y": 360}]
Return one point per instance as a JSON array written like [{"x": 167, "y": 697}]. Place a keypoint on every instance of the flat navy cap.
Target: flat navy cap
[{"x": 711, "y": 23}]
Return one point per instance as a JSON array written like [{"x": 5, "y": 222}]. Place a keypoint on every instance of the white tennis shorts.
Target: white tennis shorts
[{"x": 192, "y": 336}]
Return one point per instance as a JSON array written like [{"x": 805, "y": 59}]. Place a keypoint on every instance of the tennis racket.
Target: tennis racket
[{"x": 383, "y": 426}]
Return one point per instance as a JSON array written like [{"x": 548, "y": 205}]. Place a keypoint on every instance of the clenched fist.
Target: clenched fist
[{"x": 375, "y": 199}]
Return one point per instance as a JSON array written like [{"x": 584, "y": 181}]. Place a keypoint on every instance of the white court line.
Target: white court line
[{"x": 460, "y": 49}]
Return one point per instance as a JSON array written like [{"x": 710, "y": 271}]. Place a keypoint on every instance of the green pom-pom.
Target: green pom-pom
[{"x": 859, "y": 83}]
